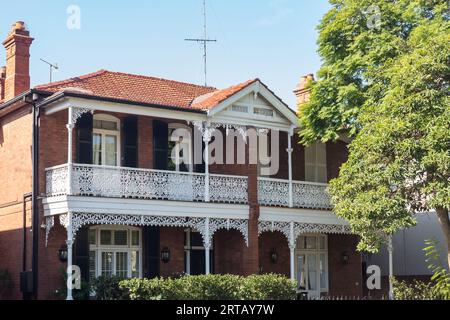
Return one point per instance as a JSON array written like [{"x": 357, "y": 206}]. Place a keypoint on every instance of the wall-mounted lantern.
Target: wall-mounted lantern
[
  {"x": 165, "y": 255},
  {"x": 62, "y": 253}
]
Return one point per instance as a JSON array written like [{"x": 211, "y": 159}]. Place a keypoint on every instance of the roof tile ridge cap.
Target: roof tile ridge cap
[
  {"x": 159, "y": 78},
  {"x": 73, "y": 79}
]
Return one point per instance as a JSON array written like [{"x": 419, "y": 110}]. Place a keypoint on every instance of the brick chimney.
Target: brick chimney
[
  {"x": 301, "y": 91},
  {"x": 2, "y": 83},
  {"x": 17, "y": 46}
]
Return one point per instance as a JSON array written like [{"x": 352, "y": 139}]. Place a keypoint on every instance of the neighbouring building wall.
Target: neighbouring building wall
[
  {"x": 15, "y": 181},
  {"x": 409, "y": 257}
]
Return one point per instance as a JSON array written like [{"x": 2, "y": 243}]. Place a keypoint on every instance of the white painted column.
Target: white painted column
[
  {"x": 290, "y": 150},
  {"x": 391, "y": 268},
  {"x": 207, "y": 244},
  {"x": 70, "y": 125},
  {"x": 292, "y": 249},
  {"x": 206, "y": 140},
  {"x": 69, "y": 243}
]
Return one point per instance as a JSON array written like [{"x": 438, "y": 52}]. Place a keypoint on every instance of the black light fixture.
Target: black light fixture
[
  {"x": 273, "y": 256},
  {"x": 345, "y": 258},
  {"x": 165, "y": 255},
  {"x": 62, "y": 253}
]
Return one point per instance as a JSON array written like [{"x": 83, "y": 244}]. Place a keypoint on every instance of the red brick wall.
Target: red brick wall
[
  {"x": 344, "y": 279},
  {"x": 172, "y": 238},
  {"x": 269, "y": 241},
  {"x": 228, "y": 252},
  {"x": 15, "y": 180}
]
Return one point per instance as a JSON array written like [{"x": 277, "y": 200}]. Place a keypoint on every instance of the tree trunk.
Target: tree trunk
[{"x": 444, "y": 220}]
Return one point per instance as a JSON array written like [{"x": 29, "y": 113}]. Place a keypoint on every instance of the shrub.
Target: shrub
[
  {"x": 210, "y": 287},
  {"x": 107, "y": 288},
  {"x": 437, "y": 289},
  {"x": 78, "y": 294}
]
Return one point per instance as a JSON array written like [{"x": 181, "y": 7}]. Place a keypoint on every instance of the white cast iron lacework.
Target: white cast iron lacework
[
  {"x": 240, "y": 225},
  {"x": 49, "y": 224},
  {"x": 275, "y": 192},
  {"x": 310, "y": 195},
  {"x": 231, "y": 189},
  {"x": 300, "y": 228},
  {"x": 56, "y": 181},
  {"x": 199, "y": 224},
  {"x": 117, "y": 182},
  {"x": 208, "y": 130},
  {"x": 78, "y": 112}
]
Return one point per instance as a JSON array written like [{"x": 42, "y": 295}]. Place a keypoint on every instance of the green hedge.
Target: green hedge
[{"x": 210, "y": 287}]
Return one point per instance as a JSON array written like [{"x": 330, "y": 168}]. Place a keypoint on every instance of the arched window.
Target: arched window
[{"x": 106, "y": 140}]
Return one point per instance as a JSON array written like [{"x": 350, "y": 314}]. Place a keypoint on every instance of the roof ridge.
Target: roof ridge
[
  {"x": 162, "y": 79},
  {"x": 73, "y": 79}
]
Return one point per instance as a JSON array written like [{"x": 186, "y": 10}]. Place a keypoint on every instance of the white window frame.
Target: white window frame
[
  {"x": 317, "y": 252},
  {"x": 98, "y": 248},
  {"x": 317, "y": 165},
  {"x": 103, "y": 133},
  {"x": 188, "y": 248},
  {"x": 174, "y": 126}
]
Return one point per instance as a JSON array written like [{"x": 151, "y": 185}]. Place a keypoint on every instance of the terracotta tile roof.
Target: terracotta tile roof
[
  {"x": 131, "y": 87},
  {"x": 212, "y": 99}
]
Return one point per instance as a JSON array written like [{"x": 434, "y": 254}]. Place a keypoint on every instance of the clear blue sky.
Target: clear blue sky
[{"x": 274, "y": 40}]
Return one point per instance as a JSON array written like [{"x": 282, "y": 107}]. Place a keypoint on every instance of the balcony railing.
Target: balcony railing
[
  {"x": 275, "y": 192},
  {"x": 119, "y": 182}
]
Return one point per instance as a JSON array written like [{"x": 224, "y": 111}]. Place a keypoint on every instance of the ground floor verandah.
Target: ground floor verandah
[{"x": 322, "y": 258}]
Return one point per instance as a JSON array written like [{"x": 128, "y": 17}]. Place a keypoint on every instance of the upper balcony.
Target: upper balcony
[{"x": 121, "y": 182}]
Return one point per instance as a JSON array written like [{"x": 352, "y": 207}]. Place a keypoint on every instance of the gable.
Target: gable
[{"x": 255, "y": 105}]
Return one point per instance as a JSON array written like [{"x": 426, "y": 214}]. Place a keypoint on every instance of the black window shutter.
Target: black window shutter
[
  {"x": 151, "y": 251},
  {"x": 84, "y": 138},
  {"x": 81, "y": 252},
  {"x": 200, "y": 168},
  {"x": 130, "y": 144},
  {"x": 160, "y": 145}
]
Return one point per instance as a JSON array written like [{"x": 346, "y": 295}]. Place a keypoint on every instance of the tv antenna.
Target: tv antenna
[
  {"x": 52, "y": 67},
  {"x": 204, "y": 41}
]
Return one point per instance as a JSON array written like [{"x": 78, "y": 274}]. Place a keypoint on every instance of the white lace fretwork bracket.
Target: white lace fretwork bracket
[{"x": 199, "y": 224}]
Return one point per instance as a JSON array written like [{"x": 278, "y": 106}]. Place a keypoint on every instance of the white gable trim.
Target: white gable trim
[{"x": 256, "y": 88}]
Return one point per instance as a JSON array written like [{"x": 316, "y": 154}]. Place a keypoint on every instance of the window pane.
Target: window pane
[
  {"x": 134, "y": 238},
  {"x": 321, "y": 154},
  {"x": 109, "y": 125},
  {"x": 111, "y": 150},
  {"x": 135, "y": 264},
  {"x": 322, "y": 270},
  {"x": 301, "y": 243},
  {"x": 122, "y": 264},
  {"x": 322, "y": 245},
  {"x": 312, "y": 272},
  {"x": 121, "y": 238},
  {"x": 107, "y": 263},
  {"x": 311, "y": 243},
  {"x": 105, "y": 237},
  {"x": 321, "y": 174},
  {"x": 301, "y": 272},
  {"x": 92, "y": 236},
  {"x": 196, "y": 239},
  {"x": 92, "y": 264},
  {"x": 97, "y": 148}
]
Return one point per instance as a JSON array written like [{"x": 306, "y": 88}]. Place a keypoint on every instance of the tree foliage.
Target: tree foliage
[
  {"x": 389, "y": 87},
  {"x": 355, "y": 43}
]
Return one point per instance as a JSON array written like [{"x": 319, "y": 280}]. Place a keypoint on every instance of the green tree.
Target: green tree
[{"x": 388, "y": 87}]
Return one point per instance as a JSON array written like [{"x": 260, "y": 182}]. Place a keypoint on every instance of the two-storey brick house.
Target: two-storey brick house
[{"x": 124, "y": 188}]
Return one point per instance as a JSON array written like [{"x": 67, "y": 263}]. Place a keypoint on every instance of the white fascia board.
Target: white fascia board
[
  {"x": 60, "y": 205},
  {"x": 257, "y": 123},
  {"x": 299, "y": 215},
  {"x": 106, "y": 106}
]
